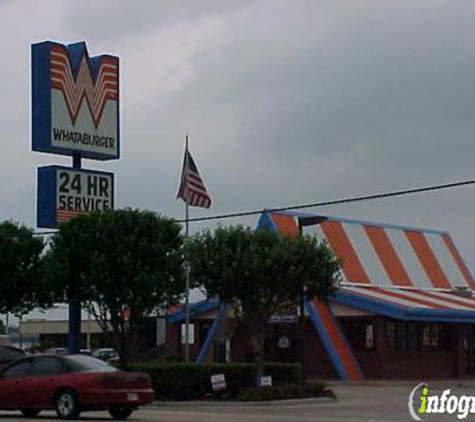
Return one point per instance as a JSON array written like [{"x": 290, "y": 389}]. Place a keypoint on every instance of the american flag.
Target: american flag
[{"x": 192, "y": 188}]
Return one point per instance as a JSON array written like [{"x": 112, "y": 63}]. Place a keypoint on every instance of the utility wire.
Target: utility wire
[
  {"x": 335, "y": 201},
  {"x": 318, "y": 204}
]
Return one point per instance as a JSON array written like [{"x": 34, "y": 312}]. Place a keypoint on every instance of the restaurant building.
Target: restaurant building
[{"x": 404, "y": 308}]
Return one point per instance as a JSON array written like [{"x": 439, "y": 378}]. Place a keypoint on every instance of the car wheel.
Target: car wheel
[
  {"x": 120, "y": 413},
  {"x": 66, "y": 405},
  {"x": 30, "y": 413}
]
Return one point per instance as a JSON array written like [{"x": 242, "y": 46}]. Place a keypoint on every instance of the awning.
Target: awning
[{"x": 416, "y": 305}]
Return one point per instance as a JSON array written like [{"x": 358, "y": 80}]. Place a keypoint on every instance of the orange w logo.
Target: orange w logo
[{"x": 75, "y": 89}]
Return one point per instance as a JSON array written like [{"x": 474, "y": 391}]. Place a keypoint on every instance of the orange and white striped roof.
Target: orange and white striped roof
[
  {"x": 385, "y": 256},
  {"x": 414, "y": 298}
]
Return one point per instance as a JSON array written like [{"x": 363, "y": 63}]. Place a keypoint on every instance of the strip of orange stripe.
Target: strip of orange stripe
[
  {"x": 388, "y": 256},
  {"x": 458, "y": 259},
  {"x": 363, "y": 292},
  {"x": 444, "y": 297},
  {"x": 336, "y": 341},
  {"x": 449, "y": 299},
  {"x": 427, "y": 259},
  {"x": 343, "y": 249},
  {"x": 61, "y": 212},
  {"x": 285, "y": 224},
  {"x": 333, "y": 328},
  {"x": 392, "y": 293},
  {"x": 67, "y": 215}
]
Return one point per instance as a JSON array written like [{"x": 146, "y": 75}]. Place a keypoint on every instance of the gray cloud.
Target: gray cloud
[{"x": 286, "y": 102}]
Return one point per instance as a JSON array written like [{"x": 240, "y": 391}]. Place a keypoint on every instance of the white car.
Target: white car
[{"x": 108, "y": 355}]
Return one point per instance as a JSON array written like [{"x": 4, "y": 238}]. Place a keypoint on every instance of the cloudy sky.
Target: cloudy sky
[{"x": 285, "y": 101}]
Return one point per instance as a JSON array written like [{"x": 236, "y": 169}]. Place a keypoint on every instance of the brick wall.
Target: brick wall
[{"x": 379, "y": 363}]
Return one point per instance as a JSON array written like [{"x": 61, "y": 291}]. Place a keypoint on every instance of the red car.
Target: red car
[{"x": 71, "y": 384}]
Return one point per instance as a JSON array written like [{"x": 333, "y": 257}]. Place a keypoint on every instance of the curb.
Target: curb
[{"x": 211, "y": 403}]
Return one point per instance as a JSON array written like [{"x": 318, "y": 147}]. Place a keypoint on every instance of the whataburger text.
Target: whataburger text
[
  {"x": 84, "y": 191},
  {"x": 71, "y": 137}
]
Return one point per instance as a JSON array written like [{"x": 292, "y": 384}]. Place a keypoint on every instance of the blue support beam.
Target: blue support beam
[{"x": 212, "y": 333}]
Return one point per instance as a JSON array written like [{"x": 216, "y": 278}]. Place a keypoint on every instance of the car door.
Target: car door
[
  {"x": 12, "y": 384},
  {"x": 46, "y": 374}
]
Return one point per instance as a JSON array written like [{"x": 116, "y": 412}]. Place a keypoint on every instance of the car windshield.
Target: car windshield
[{"x": 81, "y": 363}]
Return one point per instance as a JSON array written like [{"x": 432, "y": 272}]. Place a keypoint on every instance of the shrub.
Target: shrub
[
  {"x": 284, "y": 373},
  {"x": 171, "y": 358},
  {"x": 184, "y": 381},
  {"x": 290, "y": 391}
]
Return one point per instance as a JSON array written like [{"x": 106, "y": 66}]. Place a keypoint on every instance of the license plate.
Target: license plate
[{"x": 132, "y": 397}]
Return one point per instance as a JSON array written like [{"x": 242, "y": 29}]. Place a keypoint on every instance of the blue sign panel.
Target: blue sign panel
[
  {"x": 75, "y": 101},
  {"x": 64, "y": 193}
]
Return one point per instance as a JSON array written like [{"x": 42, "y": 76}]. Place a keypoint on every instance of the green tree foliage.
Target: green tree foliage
[
  {"x": 261, "y": 272},
  {"x": 21, "y": 286},
  {"x": 118, "y": 263}
]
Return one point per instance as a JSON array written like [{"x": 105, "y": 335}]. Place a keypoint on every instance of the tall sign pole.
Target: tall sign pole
[
  {"x": 74, "y": 322},
  {"x": 75, "y": 112}
]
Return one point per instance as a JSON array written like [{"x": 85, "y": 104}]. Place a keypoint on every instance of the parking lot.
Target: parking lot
[{"x": 369, "y": 402}]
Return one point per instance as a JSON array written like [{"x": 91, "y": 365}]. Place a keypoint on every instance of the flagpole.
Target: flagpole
[{"x": 187, "y": 269}]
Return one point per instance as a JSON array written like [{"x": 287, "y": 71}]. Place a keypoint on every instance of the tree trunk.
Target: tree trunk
[
  {"x": 120, "y": 342},
  {"x": 122, "y": 351},
  {"x": 258, "y": 344}
]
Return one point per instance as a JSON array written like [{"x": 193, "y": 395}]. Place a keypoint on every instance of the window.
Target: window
[
  {"x": 402, "y": 335},
  {"x": 47, "y": 366},
  {"x": 82, "y": 363},
  {"x": 360, "y": 333},
  {"x": 401, "y": 328},
  {"x": 9, "y": 354},
  {"x": 369, "y": 336},
  {"x": 430, "y": 335},
  {"x": 391, "y": 334},
  {"x": 412, "y": 340},
  {"x": 413, "y": 336},
  {"x": 222, "y": 351},
  {"x": 19, "y": 369}
]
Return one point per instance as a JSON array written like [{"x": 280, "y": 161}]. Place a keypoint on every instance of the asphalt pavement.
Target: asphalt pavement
[{"x": 366, "y": 402}]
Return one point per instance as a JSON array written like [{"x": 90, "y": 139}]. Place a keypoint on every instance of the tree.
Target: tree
[
  {"x": 21, "y": 285},
  {"x": 261, "y": 272},
  {"x": 118, "y": 263}
]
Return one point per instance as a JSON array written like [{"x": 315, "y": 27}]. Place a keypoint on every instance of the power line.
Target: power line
[
  {"x": 317, "y": 204},
  {"x": 335, "y": 201}
]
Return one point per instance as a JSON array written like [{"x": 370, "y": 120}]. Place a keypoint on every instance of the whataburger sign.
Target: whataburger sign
[
  {"x": 75, "y": 107},
  {"x": 75, "y": 101},
  {"x": 64, "y": 193}
]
